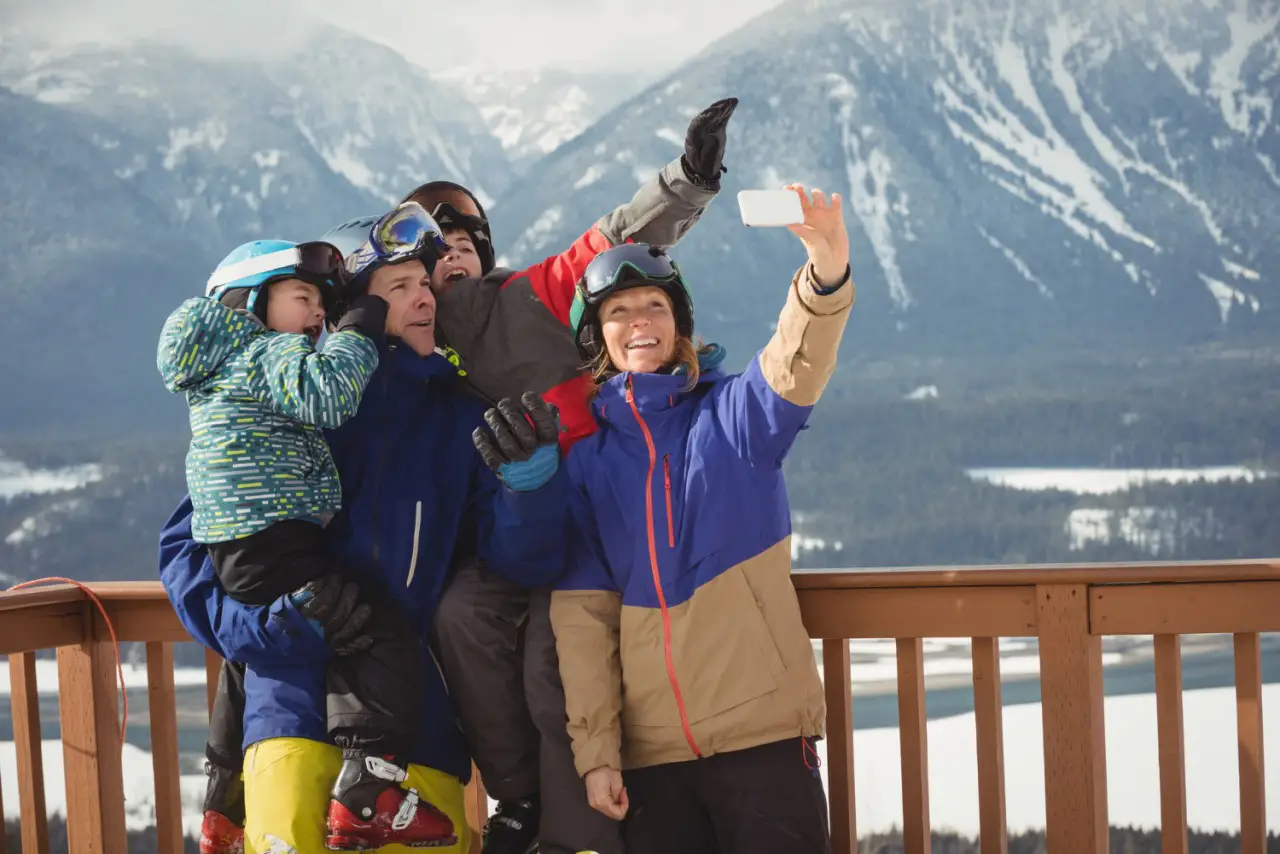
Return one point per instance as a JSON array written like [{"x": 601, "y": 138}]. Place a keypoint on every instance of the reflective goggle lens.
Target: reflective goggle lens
[{"x": 406, "y": 232}]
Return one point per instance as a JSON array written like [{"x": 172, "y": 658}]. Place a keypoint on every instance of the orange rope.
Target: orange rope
[{"x": 115, "y": 643}]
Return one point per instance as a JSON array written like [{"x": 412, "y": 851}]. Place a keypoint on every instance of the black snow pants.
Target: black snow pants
[
  {"x": 499, "y": 657},
  {"x": 761, "y": 800},
  {"x": 372, "y": 706}
]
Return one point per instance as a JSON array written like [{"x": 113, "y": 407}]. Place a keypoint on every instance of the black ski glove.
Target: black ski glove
[
  {"x": 335, "y": 611},
  {"x": 367, "y": 314},
  {"x": 704, "y": 144},
  {"x": 524, "y": 458}
]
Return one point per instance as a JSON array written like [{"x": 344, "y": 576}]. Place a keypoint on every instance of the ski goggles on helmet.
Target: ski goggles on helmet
[
  {"x": 450, "y": 216},
  {"x": 316, "y": 263},
  {"x": 440, "y": 196},
  {"x": 405, "y": 234},
  {"x": 629, "y": 265}
]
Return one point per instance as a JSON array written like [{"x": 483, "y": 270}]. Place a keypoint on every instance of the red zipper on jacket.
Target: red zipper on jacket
[
  {"x": 666, "y": 477},
  {"x": 657, "y": 578}
]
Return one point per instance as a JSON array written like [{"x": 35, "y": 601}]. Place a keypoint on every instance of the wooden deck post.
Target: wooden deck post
[
  {"x": 1075, "y": 760},
  {"x": 838, "y": 684},
  {"x": 24, "y": 700},
  {"x": 163, "y": 717},
  {"x": 91, "y": 748}
]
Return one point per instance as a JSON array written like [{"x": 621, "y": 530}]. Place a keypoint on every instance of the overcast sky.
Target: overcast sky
[
  {"x": 590, "y": 34},
  {"x": 620, "y": 35}
]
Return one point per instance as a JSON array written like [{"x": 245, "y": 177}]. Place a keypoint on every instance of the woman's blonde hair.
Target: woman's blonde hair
[{"x": 602, "y": 368}]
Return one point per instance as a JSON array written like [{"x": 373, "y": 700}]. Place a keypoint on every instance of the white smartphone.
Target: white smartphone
[{"x": 764, "y": 208}]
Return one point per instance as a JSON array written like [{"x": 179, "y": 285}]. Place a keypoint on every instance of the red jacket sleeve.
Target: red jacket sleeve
[{"x": 555, "y": 278}]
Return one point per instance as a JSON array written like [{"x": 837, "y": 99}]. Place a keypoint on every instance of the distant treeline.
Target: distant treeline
[
  {"x": 882, "y": 475},
  {"x": 886, "y": 477},
  {"x": 1124, "y": 840}
]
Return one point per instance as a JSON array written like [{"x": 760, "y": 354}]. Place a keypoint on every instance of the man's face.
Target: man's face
[
  {"x": 411, "y": 307},
  {"x": 462, "y": 262}
]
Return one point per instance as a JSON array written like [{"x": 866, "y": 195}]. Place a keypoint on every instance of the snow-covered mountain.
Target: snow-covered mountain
[
  {"x": 533, "y": 112},
  {"x": 127, "y": 172},
  {"x": 245, "y": 139},
  {"x": 1021, "y": 175}
]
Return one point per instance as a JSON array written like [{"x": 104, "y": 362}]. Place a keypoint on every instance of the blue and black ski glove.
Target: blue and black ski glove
[
  {"x": 335, "y": 611},
  {"x": 522, "y": 443}
]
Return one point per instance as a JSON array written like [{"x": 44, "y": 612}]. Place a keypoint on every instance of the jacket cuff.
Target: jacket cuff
[
  {"x": 820, "y": 301},
  {"x": 546, "y": 501},
  {"x": 675, "y": 177},
  {"x": 293, "y": 633},
  {"x": 598, "y": 751},
  {"x": 712, "y": 184}
]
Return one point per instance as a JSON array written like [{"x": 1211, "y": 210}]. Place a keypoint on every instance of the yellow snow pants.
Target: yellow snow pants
[{"x": 286, "y": 793}]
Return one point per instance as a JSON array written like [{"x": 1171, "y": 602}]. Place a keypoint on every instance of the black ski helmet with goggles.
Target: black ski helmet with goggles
[
  {"x": 630, "y": 265},
  {"x": 454, "y": 206}
]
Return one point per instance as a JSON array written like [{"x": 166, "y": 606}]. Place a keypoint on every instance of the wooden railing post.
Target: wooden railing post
[
  {"x": 913, "y": 738},
  {"x": 163, "y": 716},
  {"x": 212, "y": 673},
  {"x": 1172, "y": 741},
  {"x": 988, "y": 708},
  {"x": 837, "y": 683},
  {"x": 91, "y": 748},
  {"x": 1075, "y": 761},
  {"x": 1253, "y": 787},
  {"x": 24, "y": 700}
]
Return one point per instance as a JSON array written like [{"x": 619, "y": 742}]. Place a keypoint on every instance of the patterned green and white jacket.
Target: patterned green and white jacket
[{"x": 259, "y": 401}]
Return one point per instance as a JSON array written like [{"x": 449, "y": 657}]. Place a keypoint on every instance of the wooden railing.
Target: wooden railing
[{"x": 1068, "y": 609}]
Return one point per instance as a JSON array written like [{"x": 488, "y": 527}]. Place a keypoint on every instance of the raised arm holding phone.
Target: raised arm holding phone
[{"x": 679, "y": 513}]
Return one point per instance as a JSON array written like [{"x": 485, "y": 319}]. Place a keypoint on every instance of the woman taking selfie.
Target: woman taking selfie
[{"x": 692, "y": 693}]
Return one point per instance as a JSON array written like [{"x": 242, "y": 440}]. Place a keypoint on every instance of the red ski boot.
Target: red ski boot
[
  {"x": 220, "y": 832},
  {"x": 219, "y": 836},
  {"x": 368, "y": 809}
]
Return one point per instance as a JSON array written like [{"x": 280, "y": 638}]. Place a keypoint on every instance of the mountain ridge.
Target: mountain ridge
[{"x": 970, "y": 147}]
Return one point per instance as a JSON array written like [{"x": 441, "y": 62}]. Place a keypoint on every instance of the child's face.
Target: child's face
[
  {"x": 295, "y": 306},
  {"x": 462, "y": 262}
]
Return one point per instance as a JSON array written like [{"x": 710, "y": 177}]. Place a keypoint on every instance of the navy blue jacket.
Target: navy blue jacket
[{"x": 413, "y": 490}]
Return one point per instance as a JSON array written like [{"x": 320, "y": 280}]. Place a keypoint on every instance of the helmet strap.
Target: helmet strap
[{"x": 248, "y": 300}]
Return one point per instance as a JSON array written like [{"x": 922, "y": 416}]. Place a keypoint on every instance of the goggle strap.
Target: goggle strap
[{"x": 253, "y": 267}]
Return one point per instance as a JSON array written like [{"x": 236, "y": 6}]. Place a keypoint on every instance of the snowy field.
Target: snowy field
[
  {"x": 1133, "y": 782},
  {"x": 135, "y": 676},
  {"x": 1100, "y": 481}
]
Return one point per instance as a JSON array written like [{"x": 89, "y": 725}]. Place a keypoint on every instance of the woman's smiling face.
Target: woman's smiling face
[{"x": 639, "y": 328}]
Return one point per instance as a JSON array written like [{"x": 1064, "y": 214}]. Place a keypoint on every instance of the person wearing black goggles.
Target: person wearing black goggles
[
  {"x": 680, "y": 519},
  {"x": 632, "y": 265},
  {"x": 466, "y": 230}
]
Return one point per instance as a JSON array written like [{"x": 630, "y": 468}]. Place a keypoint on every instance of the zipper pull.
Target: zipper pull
[
  {"x": 666, "y": 471},
  {"x": 631, "y": 398}
]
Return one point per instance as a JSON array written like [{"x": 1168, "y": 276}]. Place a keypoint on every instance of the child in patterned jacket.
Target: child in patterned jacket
[{"x": 263, "y": 486}]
